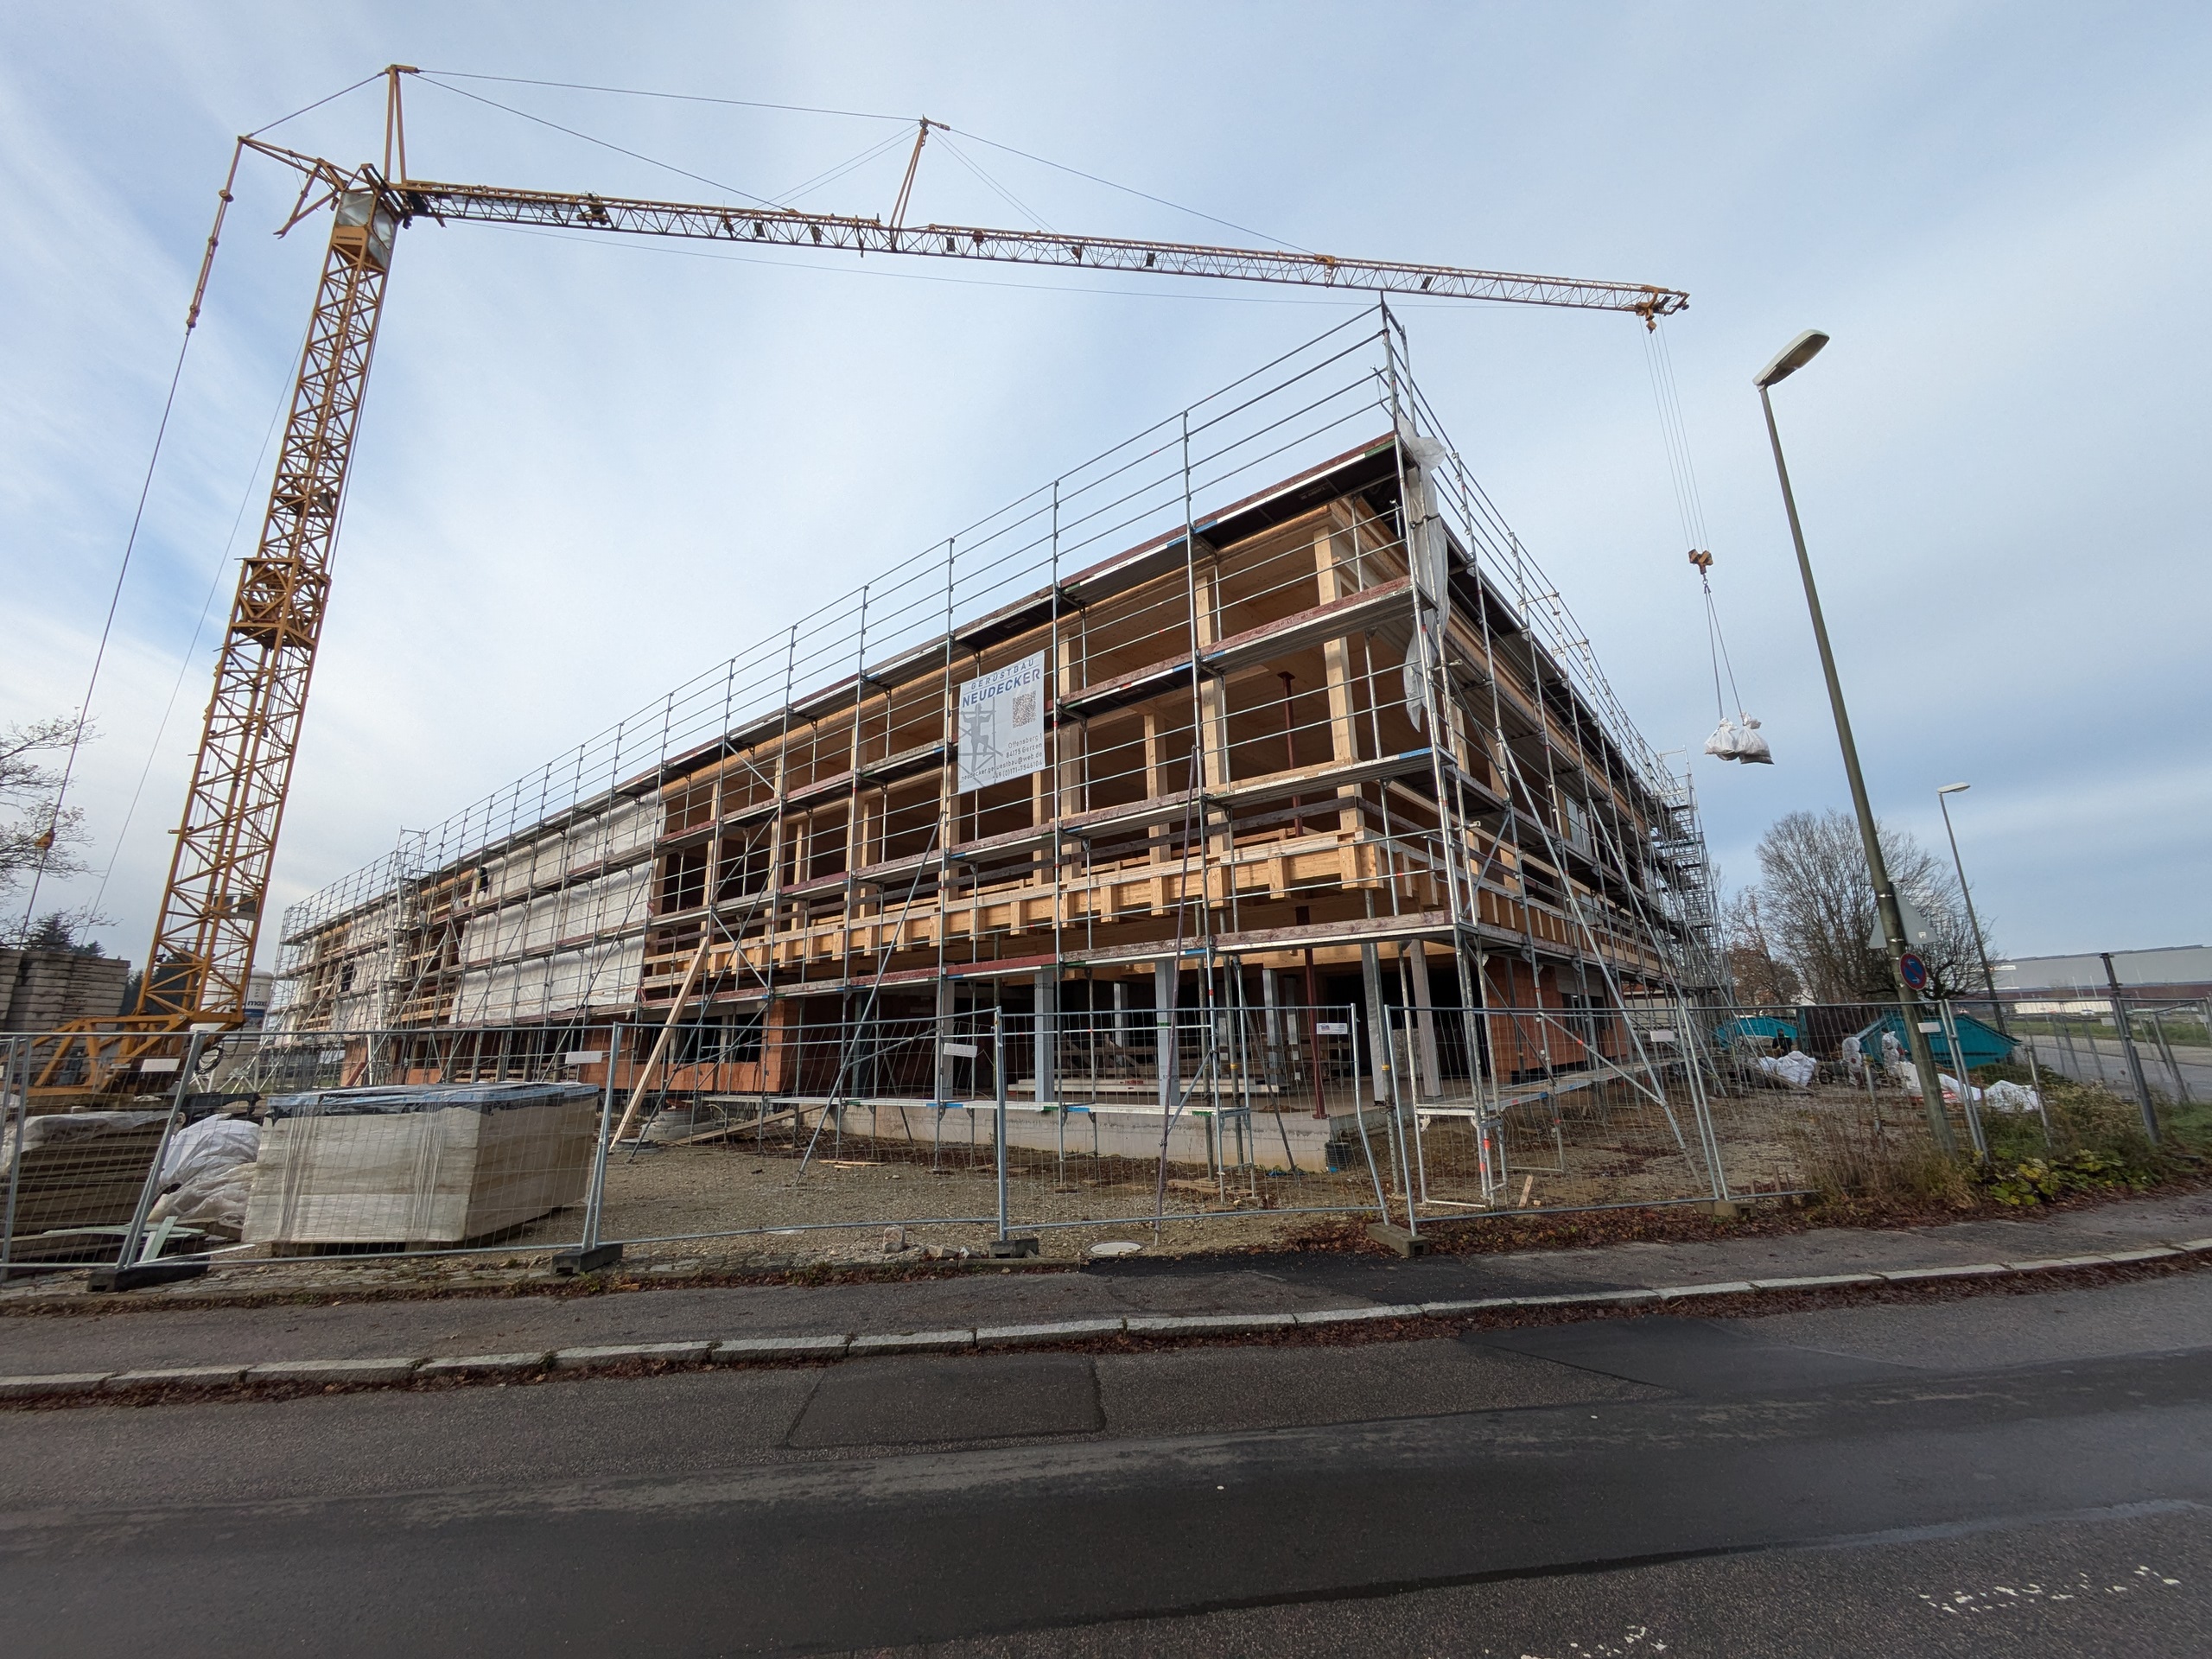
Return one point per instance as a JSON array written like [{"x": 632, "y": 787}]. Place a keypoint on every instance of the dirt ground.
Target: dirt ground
[{"x": 840, "y": 1208}]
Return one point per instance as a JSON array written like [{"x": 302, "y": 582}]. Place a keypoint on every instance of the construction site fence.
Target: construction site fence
[{"x": 875, "y": 1134}]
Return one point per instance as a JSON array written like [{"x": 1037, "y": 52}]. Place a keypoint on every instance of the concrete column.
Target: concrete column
[
  {"x": 1432, "y": 1074},
  {"x": 1163, "y": 1003},
  {"x": 1278, "y": 1070},
  {"x": 1379, "y": 1026},
  {"x": 1048, "y": 1035},
  {"x": 943, "y": 1032}
]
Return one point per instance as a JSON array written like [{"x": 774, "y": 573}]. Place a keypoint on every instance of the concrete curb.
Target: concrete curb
[{"x": 820, "y": 1348}]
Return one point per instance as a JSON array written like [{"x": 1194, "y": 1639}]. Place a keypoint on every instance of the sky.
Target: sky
[{"x": 2002, "y": 214}]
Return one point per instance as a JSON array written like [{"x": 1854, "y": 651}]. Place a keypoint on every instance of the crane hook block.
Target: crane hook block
[{"x": 1703, "y": 560}]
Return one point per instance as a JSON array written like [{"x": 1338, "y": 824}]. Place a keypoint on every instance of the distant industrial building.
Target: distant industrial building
[{"x": 2177, "y": 973}]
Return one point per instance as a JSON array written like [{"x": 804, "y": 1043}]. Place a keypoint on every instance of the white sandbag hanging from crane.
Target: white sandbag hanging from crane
[
  {"x": 1731, "y": 740},
  {"x": 1739, "y": 739}
]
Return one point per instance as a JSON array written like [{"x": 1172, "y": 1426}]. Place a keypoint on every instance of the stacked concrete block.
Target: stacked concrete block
[{"x": 42, "y": 990}]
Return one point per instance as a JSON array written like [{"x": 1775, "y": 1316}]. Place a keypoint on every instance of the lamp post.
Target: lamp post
[
  {"x": 1980, "y": 950},
  {"x": 1792, "y": 358}
]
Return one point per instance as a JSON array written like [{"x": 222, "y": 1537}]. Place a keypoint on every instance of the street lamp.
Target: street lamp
[
  {"x": 1973, "y": 921},
  {"x": 1793, "y": 357}
]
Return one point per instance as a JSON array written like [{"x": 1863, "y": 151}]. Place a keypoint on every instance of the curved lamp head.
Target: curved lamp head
[
  {"x": 1953, "y": 789},
  {"x": 1791, "y": 358}
]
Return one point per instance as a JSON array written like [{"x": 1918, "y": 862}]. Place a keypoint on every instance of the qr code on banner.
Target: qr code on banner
[{"x": 1024, "y": 708}]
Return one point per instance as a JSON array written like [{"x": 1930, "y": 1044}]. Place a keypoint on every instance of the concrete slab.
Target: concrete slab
[
  {"x": 477, "y": 1364},
  {"x": 1206, "y": 1325},
  {"x": 22, "y": 1388},
  {"x": 911, "y": 1342},
  {"x": 387, "y": 1369},
  {"x": 1020, "y": 1336},
  {"x": 1325, "y": 1316},
  {"x": 177, "y": 1376},
  {"x": 2048, "y": 1263},
  {"x": 744, "y": 1348},
  {"x": 591, "y": 1358}
]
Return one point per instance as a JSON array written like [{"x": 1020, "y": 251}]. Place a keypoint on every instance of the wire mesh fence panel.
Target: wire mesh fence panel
[
  {"x": 1209, "y": 1113},
  {"x": 260, "y": 1146},
  {"x": 1513, "y": 1109},
  {"x": 897, "y": 1122},
  {"x": 71, "y": 1184},
  {"x": 1812, "y": 1095},
  {"x": 966, "y": 1122},
  {"x": 763, "y": 1124}
]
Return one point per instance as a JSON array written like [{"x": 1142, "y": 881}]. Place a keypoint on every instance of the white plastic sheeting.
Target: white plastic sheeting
[
  {"x": 1796, "y": 1068},
  {"x": 593, "y": 975},
  {"x": 551, "y": 858},
  {"x": 605, "y": 906},
  {"x": 208, "y": 1175},
  {"x": 212, "y": 1144}
]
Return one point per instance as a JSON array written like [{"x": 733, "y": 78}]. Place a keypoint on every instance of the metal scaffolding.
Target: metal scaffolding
[{"x": 1316, "y": 730}]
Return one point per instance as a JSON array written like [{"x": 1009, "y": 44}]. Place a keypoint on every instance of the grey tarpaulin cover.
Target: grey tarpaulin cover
[
  {"x": 427, "y": 1098},
  {"x": 60, "y": 1128}
]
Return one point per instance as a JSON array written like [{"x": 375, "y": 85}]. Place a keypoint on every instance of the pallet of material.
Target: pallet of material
[
  {"x": 417, "y": 1166},
  {"x": 77, "y": 1169}
]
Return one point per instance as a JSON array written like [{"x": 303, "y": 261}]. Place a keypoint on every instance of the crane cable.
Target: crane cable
[
  {"x": 1739, "y": 739},
  {"x": 1716, "y": 641},
  {"x": 48, "y": 837}
]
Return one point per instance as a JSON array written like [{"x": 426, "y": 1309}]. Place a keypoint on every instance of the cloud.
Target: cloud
[{"x": 588, "y": 470}]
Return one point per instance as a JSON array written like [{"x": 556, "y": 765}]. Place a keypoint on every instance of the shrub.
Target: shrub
[{"x": 2039, "y": 1180}]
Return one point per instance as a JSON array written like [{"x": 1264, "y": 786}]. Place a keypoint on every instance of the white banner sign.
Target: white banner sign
[{"x": 1002, "y": 724}]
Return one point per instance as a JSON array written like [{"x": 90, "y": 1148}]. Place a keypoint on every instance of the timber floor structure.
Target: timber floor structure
[{"x": 1333, "y": 737}]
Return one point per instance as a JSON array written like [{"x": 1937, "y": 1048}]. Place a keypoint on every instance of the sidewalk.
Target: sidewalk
[{"x": 152, "y": 1335}]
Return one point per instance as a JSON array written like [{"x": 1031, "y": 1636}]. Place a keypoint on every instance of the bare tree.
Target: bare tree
[
  {"x": 1817, "y": 908},
  {"x": 33, "y": 836},
  {"x": 1762, "y": 978}
]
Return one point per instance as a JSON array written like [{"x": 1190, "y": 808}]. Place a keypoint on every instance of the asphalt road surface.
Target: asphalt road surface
[
  {"x": 2005, "y": 1474},
  {"x": 2171, "y": 1071}
]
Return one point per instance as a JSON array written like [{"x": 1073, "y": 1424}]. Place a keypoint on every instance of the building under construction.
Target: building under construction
[{"x": 1266, "y": 707}]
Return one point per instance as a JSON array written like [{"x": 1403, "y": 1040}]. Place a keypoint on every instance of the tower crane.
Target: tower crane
[{"x": 214, "y": 899}]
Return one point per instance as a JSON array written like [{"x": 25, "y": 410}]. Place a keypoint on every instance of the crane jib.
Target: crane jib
[{"x": 553, "y": 210}]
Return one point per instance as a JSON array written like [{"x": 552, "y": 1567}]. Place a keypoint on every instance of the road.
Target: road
[
  {"x": 2103, "y": 1059},
  {"x": 2002, "y": 1474}
]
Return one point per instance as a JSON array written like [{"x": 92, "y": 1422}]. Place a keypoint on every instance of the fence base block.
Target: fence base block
[
  {"x": 1017, "y": 1245},
  {"x": 140, "y": 1276},
  {"x": 568, "y": 1263},
  {"x": 1404, "y": 1242}
]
